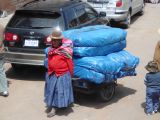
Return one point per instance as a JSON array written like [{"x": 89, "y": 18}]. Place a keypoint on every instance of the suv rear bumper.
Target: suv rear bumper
[
  {"x": 117, "y": 16},
  {"x": 24, "y": 58}
]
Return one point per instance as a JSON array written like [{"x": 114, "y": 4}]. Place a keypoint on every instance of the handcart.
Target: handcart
[{"x": 105, "y": 90}]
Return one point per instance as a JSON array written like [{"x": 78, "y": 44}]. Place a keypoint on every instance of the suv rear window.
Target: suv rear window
[
  {"x": 34, "y": 19},
  {"x": 85, "y": 13}
]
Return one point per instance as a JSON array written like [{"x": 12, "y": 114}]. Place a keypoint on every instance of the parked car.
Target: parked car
[
  {"x": 119, "y": 10},
  {"x": 27, "y": 33}
]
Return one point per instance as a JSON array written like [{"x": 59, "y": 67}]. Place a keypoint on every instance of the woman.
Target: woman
[
  {"x": 58, "y": 87},
  {"x": 3, "y": 80}
]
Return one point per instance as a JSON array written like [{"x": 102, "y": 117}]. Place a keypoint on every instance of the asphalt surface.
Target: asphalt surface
[{"x": 25, "y": 101}]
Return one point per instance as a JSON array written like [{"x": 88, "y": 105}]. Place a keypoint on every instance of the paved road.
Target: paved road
[{"x": 26, "y": 89}]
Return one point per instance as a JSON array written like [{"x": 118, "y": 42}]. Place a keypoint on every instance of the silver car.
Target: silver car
[{"x": 118, "y": 10}]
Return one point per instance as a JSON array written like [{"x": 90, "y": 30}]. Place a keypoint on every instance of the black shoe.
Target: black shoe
[
  {"x": 51, "y": 113},
  {"x": 4, "y": 94},
  {"x": 48, "y": 109}
]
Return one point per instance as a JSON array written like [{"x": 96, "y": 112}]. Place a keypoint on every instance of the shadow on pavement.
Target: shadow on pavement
[
  {"x": 136, "y": 17},
  {"x": 94, "y": 102},
  {"x": 29, "y": 73},
  {"x": 143, "y": 105},
  {"x": 64, "y": 112}
]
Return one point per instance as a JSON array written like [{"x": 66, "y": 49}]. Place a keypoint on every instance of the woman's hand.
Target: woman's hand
[{"x": 51, "y": 53}]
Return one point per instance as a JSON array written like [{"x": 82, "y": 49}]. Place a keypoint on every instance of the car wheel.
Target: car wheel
[
  {"x": 3, "y": 13},
  {"x": 107, "y": 92},
  {"x": 128, "y": 20},
  {"x": 142, "y": 10},
  {"x": 16, "y": 67}
]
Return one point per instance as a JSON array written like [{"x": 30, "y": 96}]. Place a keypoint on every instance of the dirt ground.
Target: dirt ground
[{"x": 26, "y": 89}]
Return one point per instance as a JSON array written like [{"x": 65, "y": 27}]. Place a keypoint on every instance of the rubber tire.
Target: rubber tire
[
  {"x": 16, "y": 67},
  {"x": 128, "y": 20},
  {"x": 142, "y": 10},
  {"x": 107, "y": 92}
]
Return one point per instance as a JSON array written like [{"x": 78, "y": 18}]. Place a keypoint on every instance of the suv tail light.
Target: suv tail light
[
  {"x": 47, "y": 40},
  {"x": 119, "y": 3},
  {"x": 11, "y": 37}
]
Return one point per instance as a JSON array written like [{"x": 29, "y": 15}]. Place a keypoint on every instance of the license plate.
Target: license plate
[
  {"x": 110, "y": 10},
  {"x": 98, "y": 5},
  {"x": 31, "y": 43}
]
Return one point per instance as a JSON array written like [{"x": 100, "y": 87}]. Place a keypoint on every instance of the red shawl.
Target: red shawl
[{"x": 60, "y": 59}]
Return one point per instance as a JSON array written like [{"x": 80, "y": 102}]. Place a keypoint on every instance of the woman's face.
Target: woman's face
[{"x": 56, "y": 43}]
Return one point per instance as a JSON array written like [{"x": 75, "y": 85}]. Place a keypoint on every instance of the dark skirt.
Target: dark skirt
[{"x": 58, "y": 91}]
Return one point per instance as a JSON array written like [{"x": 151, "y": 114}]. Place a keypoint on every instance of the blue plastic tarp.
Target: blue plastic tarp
[
  {"x": 112, "y": 66},
  {"x": 95, "y": 36},
  {"x": 88, "y": 75},
  {"x": 99, "y": 51},
  {"x": 98, "y": 78},
  {"x": 111, "y": 63}
]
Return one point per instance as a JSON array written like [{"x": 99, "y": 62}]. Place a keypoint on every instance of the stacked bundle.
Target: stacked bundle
[
  {"x": 99, "y": 55},
  {"x": 106, "y": 68},
  {"x": 96, "y": 40}
]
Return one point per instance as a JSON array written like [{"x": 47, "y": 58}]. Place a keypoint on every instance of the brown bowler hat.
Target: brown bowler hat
[{"x": 56, "y": 35}]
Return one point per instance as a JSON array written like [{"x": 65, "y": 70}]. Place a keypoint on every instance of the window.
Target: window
[
  {"x": 92, "y": 14},
  {"x": 23, "y": 19},
  {"x": 85, "y": 13},
  {"x": 81, "y": 14},
  {"x": 71, "y": 18}
]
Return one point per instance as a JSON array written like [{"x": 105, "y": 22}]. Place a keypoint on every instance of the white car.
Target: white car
[{"x": 118, "y": 10}]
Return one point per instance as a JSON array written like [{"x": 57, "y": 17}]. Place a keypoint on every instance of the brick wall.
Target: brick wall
[{"x": 11, "y": 5}]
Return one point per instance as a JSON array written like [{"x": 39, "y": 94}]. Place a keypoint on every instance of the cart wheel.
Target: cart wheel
[{"x": 106, "y": 93}]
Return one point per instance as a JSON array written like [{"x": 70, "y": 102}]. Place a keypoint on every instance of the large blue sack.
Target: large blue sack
[
  {"x": 99, "y": 51},
  {"x": 70, "y": 32},
  {"x": 98, "y": 78},
  {"x": 112, "y": 66},
  {"x": 88, "y": 75},
  {"x": 112, "y": 63},
  {"x": 95, "y": 36}
]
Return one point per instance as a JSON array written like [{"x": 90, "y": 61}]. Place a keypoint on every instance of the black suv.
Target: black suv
[{"x": 26, "y": 34}]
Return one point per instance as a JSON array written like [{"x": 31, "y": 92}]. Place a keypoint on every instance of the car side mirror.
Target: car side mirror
[{"x": 102, "y": 14}]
